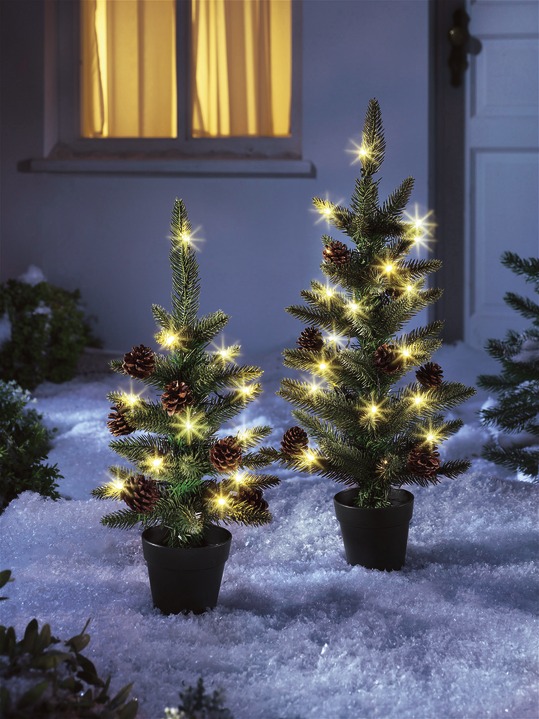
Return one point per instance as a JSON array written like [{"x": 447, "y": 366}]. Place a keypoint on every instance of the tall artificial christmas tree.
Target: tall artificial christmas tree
[
  {"x": 514, "y": 416},
  {"x": 360, "y": 424},
  {"x": 183, "y": 477}
]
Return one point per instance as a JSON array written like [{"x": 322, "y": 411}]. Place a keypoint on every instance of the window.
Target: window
[{"x": 176, "y": 80}]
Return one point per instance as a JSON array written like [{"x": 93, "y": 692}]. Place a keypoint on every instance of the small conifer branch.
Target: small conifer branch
[
  {"x": 122, "y": 519},
  {"x": 150, "y": 417},
  {"x": 522, "y": 266},
  {"x": 251, "y": 436},
  {"x": 523, "y": 459},
  {"x": 207, "y": 327},
  {"x": 417, "y": 269},
  {"x": 453, "y": 468},
  {"x": 163, "y": 318},
  {"x": 243, "y": 513},
  {"x": 523, "y": 305},
  {"x": 138, "y": 449},
  {"x": 257, "y": 460},
  {"x": 116, "y": 365},
  {"x": 396, "y": 202}
]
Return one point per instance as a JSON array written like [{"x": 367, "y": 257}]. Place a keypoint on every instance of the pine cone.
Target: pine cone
[
  {"x": 423, "y": 462},
  {"x": 346, "y": 393},
  {"x": 177, "y": 396},
  {"x": 294, "y": 441},
  {"x": 337, "y": 253},
  {"x": 118, "y": 424},
  {"x": 254, "y": 497},
  {"x": 386, "y": 360},
  {"x": 310, "y": 339},
  {"x": 140, "y": 362},
  {"x": 430, "y": 375},
  {"x": 225, "y": 455},
  {"x": 140, "y": 494},
  {"x": 389, "y": 295}
]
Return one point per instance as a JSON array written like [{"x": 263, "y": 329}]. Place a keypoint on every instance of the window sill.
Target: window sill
[{"x": 185, "y": 167}]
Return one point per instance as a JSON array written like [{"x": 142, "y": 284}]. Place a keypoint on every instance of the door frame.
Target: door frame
[{"x": 446, "y": 171}]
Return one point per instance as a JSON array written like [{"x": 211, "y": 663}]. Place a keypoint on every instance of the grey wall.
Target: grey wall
[{"x": 107, "y": 235}]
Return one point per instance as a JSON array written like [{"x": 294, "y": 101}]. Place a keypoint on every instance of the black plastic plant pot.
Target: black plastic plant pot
[
  {"x": 186, "y": 580},
  {"x": 375, "y": 538}
]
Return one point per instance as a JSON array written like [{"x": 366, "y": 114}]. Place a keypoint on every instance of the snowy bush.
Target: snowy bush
[
  {"x": 24, "y": 444},
  {"x": 47, "y": 331},
  {"x": 43, "y": 676}
]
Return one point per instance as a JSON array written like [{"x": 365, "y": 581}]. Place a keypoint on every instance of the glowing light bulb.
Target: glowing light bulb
[
  {"x": 190, "y": 425},
  {"x": 430, "y": 437},
  {"x": 156, "y": 463},
  {"x": 221, "y": 501},
  {"x": 130, "y": 399},
  {"x": 322, "y": 366},
  {"x": 239, "y": 477},
  {"x": 308, "y": 457},
  {"x": 360, "y": 152},
  {"x": 353, "y": 306},
  {"x": 314, "y": 387},
  {"x": 418, "y": 399},
  {"x": 405, "y": 352},
  {"x": 246, "y": 390},
  {"x": 409, "y": 288},
  {"x": 389, "y": 267},
  {"x": 115, "y": 488},
  {"x": 335, "y": 339},
  {"x": 329, "y": 292},
  {"x": 244, "y": 435},
  {"x": 421, "y": 230},
  {"x": 373, "y": 409}
]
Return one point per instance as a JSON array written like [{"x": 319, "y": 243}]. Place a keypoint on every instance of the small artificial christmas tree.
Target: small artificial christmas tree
[
  {"x": 367, "y": 433},
  {"x": 185, "y": 478},
  {"x": 515, "y": 413}
]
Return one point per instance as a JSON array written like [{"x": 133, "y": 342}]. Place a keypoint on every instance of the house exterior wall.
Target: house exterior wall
[{"x": 107, "y": 236}]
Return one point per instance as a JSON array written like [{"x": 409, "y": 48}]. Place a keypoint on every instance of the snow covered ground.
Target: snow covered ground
[{"x": 297, "y": 633}]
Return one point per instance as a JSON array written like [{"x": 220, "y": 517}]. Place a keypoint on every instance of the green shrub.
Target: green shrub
[
  {"x": 24, "y": 444},
  {"x": 196, "y": 703},
  {"x": 48, "y": 333},
  {"x": 43, "y": 676}
]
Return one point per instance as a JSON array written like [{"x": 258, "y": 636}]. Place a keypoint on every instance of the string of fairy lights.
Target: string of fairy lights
[
  {"x": 190, "y": 425},
  {"x": 420, "y": 230}
]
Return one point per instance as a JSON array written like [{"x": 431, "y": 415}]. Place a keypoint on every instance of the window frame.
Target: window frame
[{"x": 67, "y": 143}]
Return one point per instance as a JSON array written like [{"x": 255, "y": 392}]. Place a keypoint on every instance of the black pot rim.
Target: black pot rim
[
  {"x": 399, "y": 512},
  {"x": 225, "y": 537},
  {"x": 401, "y": 497}
]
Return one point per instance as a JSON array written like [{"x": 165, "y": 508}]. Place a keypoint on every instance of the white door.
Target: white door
[{"x": 501, "y": 161}]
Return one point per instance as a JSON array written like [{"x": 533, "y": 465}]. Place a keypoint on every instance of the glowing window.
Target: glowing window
[{"x": 137, "y": 81}]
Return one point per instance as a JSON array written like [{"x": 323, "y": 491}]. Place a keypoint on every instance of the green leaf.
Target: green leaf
[{"x": 32, "y": 696}]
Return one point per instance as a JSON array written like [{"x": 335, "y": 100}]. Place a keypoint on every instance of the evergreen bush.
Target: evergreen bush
[
  {"x": 43, "y": 676},
  {"x": 514, "y": 415},
  {"x": 48, "y": 333},
  {"x": 24, "y": 444}
]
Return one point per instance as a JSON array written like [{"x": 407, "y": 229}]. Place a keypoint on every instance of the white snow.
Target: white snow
[
  {"x": 33, "y": 276},
  {"x": 297, "y": 633}
]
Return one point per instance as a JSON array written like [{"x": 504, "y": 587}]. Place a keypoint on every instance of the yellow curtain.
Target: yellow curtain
[
  {"x": 241, "y": 67},
  {"x": 128, "y": 69}
]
